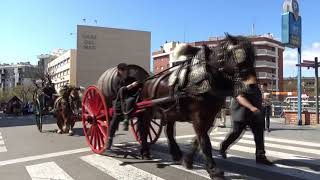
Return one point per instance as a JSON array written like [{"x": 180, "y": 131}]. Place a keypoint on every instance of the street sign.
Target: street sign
[{"x": 291, "y": 24}]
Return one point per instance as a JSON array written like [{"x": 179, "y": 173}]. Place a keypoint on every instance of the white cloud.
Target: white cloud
[{"x": 290, "y": 59}]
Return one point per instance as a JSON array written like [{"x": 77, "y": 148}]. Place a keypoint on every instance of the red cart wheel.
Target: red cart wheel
[
  {"x": 155, "y": 129},
  {"x": 95, "y": 119}
]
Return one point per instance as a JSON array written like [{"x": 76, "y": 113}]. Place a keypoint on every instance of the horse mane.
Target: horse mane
[{"x": 183, "y": 51}]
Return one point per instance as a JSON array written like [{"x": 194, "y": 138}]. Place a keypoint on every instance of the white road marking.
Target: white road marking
[
  {"x": 48, "y": 170},
  {"x": 3, "y": 149},
  {"x": 302, "y": 143},
  {"x": 281, "y": 155},
  {"x": 43, "y": 156},
  {"x": 113, "y": 168},
  {"x": 191, "y": 136},
  {"x": 279, "y": 146},
  {"x": 278, "y": 168},
  {"x": 2, "y": 145},
  {"x": 198, "y": 169}
]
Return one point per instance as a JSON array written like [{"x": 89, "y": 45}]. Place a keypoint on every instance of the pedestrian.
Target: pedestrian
[
  {"x": 246, "y": 110},
  {"x": 266, "y": 105}
]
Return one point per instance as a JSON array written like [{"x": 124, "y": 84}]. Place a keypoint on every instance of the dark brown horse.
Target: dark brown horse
[
  {"x": 67, "y": 110},
  {"x": 224, "y": 64}
]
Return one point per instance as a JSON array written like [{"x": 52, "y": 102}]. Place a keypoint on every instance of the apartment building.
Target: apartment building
[
  {"x": 269, "y": 58},
  {"x": 12, "y": 75},
  {"x": 60, "y": 68}
]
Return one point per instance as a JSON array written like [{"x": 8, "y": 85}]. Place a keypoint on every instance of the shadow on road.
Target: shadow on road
[{"x": 11, "y": 121}]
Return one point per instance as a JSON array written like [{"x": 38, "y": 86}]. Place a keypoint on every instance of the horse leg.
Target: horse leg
[
  {"x": 70, "y": 125},
  {"x": 143, "y": 127},
  {"x": 188, "y": 158},
  {"x": 173, "y": 146},
  {"x": 202, "y": 126},
  {"x": 59, "y": 123}
]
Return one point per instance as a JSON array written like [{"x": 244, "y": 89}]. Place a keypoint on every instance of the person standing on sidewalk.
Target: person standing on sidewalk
[
  {"x": 246, "y": 110},
  {"x": 266, "y": 105}
]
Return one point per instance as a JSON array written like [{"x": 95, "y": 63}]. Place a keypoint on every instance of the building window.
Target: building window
[
  {"x": 161, "y": 68},
  {"x": 273, "y": 59}
]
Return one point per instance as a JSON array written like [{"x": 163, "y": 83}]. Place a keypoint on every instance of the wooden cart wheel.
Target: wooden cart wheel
[
  {"x": 154, "y": 126},
  {"x": 95, "y": 119},
  {"x": 38, "y": 115}
]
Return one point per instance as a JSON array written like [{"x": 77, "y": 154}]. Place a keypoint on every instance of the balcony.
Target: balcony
[
  {"x": 266, "y": 64},
  {"x": 265, "y": 52},
  {"x": 265, "y": 75}
]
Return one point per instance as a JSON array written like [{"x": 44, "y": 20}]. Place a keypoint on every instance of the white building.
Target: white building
[
  {"x": 20, "y": 74},
  {"x": 60, "y": 68}
]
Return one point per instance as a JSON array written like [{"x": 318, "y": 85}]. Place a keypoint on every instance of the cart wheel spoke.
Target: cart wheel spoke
[
  {"x": 96, "y": 127},
  {"x": 101, "y": 116},
  {"x": 155, "y": 122},
  {"x": 92, "y": 131},
  {"x": 154, "y": 131}
]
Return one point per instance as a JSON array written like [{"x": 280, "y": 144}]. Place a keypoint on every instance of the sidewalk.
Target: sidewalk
[{"x": 288, "y": 131}]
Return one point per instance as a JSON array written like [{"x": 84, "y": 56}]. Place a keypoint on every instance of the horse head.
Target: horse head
[{"x": 234, "y": 55}]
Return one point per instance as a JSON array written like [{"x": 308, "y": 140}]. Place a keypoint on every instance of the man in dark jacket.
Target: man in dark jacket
[
  {"x": 246, "y": 110},
  {"x": 126, "y": 88}
]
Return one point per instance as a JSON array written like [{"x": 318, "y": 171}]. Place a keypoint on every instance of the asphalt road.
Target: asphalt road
[{"x": 28, "y": 154}]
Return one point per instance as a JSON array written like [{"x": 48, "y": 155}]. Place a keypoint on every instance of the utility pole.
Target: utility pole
[{"x": 314, "y": 64}]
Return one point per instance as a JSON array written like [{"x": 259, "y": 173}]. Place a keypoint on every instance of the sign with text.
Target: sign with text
[{"x": 291, "y": 24}]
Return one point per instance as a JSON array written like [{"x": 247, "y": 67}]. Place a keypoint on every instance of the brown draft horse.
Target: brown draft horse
[
  {"x": 67, "y": 110},
  {"x": 225, "y": 62}
]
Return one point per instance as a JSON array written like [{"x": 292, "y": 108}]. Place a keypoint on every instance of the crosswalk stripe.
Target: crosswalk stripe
[
  {"x": 301, "y": 143},
  {"x": 198, "y": 170},
  {"x": 3, "y": 149},
  {"x": 280, "y": 140},
  {"x": 278, "y": 168},
  {"x": 43, "y": 156},
  {"x": 1, "y": 142},
  {"x": 48, "y": 170},
  {"x": 279, "y": 146},
  {"x": 190, "y": 136},
  {"x": 276, "y": 154},
  {"x": 113, "y": 168}
]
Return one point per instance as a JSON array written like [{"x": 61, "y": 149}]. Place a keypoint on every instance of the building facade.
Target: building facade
[
  {"x": 98, "y": 49},
  {"x": 44, "y": 59},
  {"x": 60, "y": 68},
  {"x": 101, "y": 48},
  {"x": 269, "y": 58},
  {"x": 20, "y": 74},
  {"x": 307, "y": 85}
]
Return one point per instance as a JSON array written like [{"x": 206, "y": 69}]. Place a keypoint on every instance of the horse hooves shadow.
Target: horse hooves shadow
[{"x": 49, "y": 131}]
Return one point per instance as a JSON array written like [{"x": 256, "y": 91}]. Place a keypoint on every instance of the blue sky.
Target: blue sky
[{"x": 32, "y": 27}]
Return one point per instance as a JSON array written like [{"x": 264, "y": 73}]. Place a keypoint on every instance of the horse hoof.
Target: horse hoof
[
  {"x": 145, "y": 155},
  {"x": 187, "y": 164},
  {"x": 59, "y": 132},
  {"x": 71, "y": 133},
  {"x": 216, "y": 174}
]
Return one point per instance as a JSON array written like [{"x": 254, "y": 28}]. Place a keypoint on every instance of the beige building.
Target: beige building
[
  {"x": 100, "y": 48},
  {"x": 60, "y": 68}
]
